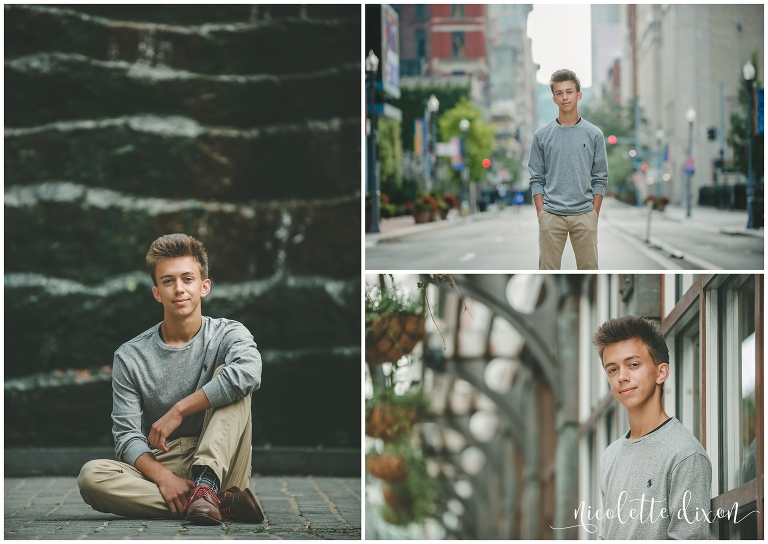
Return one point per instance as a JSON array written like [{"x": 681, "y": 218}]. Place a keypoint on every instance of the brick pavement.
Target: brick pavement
[{"x": 295, "y": 507}]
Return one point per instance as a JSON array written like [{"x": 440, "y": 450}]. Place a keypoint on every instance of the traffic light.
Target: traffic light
[
  {"x": 612, "y": 140},
  {"x": 486, "y": 163},
  {"x": 645, "y": 167},
  {"x": 712, "y": 133}
]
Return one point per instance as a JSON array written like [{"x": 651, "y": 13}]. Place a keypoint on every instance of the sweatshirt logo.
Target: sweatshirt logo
[{"x": 649, "y": 484}]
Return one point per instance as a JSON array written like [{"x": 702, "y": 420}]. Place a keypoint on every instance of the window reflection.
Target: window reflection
[{"x": 737, "y": 373}]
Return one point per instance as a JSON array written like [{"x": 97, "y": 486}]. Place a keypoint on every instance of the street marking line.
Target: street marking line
[
  {"x": 331, "y": 504},
  {"x": 704, "y": 264},
  {"x": 467, "y": 257},
  {"x": 293, "y": 503},
  {"x": 349, "y": 489},
  {"x": 61, "y": 502},
  {"x": 21, "y": 484},
  {"x": 667, "y": 264}
]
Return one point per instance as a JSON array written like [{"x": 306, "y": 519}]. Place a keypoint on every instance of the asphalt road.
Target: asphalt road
[{"x": 508, "y": 240}]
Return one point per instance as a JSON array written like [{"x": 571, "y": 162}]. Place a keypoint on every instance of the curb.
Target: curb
[
  {"x": 302, "y": 461},
  {"x": 372, "y": 240}
]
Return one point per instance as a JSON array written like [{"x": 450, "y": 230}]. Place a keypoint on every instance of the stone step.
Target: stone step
[
  {"x": 71, "y": 231},
  {"x": 316, "y": 389},
  {"x": 323, "y": 37},
  {"x": 172, "y": 156},
  {"x": 53, "y": 323},
  {"x": 53, "y": 86}
]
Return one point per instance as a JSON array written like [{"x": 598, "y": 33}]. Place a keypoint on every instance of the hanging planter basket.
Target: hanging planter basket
[
  {"x": 387, "y": 467},
  {"x": 389, "y": 422},
  {"x": 400, "y": 501},
  {"x": 390, "y": 337}
]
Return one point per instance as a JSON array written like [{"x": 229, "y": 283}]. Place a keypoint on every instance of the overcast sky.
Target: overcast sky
[{"x": 561, "y": 38}]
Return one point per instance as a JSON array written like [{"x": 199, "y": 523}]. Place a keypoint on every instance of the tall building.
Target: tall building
[
  {"x": 512, "y": 89},
  {"x": 606, "y": 44},
  {"x": 458, "y": 37},
  {"x": 675, "y": 58},
  {"x": 415, "y": 47}
]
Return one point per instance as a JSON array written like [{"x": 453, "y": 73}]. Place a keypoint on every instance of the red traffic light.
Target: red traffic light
[
  {"x": 645, "y": 167},
  {"x": 486, "y": 163},
  {"x": 612, "y": 139}
]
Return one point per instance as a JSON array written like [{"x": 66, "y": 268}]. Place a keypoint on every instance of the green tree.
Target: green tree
[
  {"x": 412, "y": 102},
  {"x": 615, "y": 120},
  {"x": 737, "y": 136},
  {"x": 390, "y": 156},
  {"x": 479, "y": 139}
]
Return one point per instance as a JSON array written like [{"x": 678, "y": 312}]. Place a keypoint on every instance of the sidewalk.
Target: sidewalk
[
  {"x": 396, "y": 228},
  {"x": 707, "y": 218},
  {"x": 295, "y": 507}
]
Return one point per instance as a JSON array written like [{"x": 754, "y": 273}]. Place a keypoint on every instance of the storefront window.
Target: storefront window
[
  {"x": 737, "y": 382},
  {"x": 686, "y": 366}
]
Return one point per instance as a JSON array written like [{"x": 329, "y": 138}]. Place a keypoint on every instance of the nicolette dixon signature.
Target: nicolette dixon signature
[{"x": 649, "y": 511}]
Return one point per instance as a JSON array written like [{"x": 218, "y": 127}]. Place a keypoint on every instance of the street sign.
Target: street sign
[
  {"x": 760, "y": 111},
  {"x": 689, "y": 167},
  {"x": 447, "y": 149}
]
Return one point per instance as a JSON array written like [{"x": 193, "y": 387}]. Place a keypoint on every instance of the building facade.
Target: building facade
[{"x": 679, "y": 57}]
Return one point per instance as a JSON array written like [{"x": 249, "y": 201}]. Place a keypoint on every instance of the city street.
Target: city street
[
  {"x": 295, "y": 507},
  {"x": 508, "y": 240}
]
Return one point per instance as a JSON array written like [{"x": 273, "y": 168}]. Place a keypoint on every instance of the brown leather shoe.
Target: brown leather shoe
[
  {"x": 240, "y": 506},
  {"x": 203, "y": 507}
]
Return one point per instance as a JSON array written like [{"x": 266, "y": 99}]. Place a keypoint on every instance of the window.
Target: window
[
  {"x": 737, "y": 384},
  {"x": 458, "y": 50},
  {"x": 457, "y": 11},
  {"x": 421, "y": 43},
  {"x": 686, "y": 367},
  {"x": 420, "y": 12}
]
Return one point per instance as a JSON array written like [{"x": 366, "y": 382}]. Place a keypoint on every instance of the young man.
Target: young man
[
  {"x": 569, "y": 172},
  {"x": 658, "y": 469},
  {"x": 181, "y": 406}
]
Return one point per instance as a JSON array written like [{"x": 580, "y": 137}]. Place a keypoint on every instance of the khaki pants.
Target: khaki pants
[
  {"x": 553, "y": 232},
  {"x": 224, "y": 446}
]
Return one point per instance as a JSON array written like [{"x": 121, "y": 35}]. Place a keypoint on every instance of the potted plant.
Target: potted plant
[
  {"x": 423, "y": 208},
  {"x": 657, "y": 203},
  {"x": 391, "y": 417},
  {"x": 411, "y": 499},
  {"x": 394, "y": 324},
  {"x": 443, "y": 207},
  {"x": 451, "y": 200}
]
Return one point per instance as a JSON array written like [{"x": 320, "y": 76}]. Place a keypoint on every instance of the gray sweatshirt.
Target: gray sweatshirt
[
  {"x": 662, "y": 465},
  {"x": 149, "y": 377},
  {"x": 568, "y": 165}
]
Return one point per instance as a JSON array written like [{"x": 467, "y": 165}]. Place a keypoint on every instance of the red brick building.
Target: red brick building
[{"x": 458, "y": 39}]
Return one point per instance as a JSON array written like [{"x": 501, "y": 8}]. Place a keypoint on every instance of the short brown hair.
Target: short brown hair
[
  {"x": 171, "y": 246},
  {"x": 564, "y": 75},
  {"x": 631, "y": 327}
]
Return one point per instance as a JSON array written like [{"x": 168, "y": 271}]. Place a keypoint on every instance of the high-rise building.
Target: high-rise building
[
  {"x": 676, "y": 57},
  {"x": 606, "y": 44}
]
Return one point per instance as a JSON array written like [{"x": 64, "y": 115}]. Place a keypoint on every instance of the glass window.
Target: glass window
[
  {"x": 457, "y": 11},
  {"x": 458, "y": 50},
  {"x": 686, "y": 366},
  {"x": 421, "y": 12},
  {"x": 421, "y": 43},
  {"x": 737, "y": 382}
]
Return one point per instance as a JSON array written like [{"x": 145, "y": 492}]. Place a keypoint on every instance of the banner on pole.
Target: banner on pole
[
  {"x": 418, "y": 137},
  {"x": 760, "y": 112}
]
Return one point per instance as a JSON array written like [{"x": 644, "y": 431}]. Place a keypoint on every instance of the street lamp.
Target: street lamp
[
  {"x": 371, "y": 66},
  {"x": 433, "y": 104},
  {"x": 690, "y": 116},
  {"x": 749, "y": 76},
  {"x": 464, "y": 127}
]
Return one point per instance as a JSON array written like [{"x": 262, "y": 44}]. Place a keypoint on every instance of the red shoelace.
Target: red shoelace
[{"x": 202, "y": 491}]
